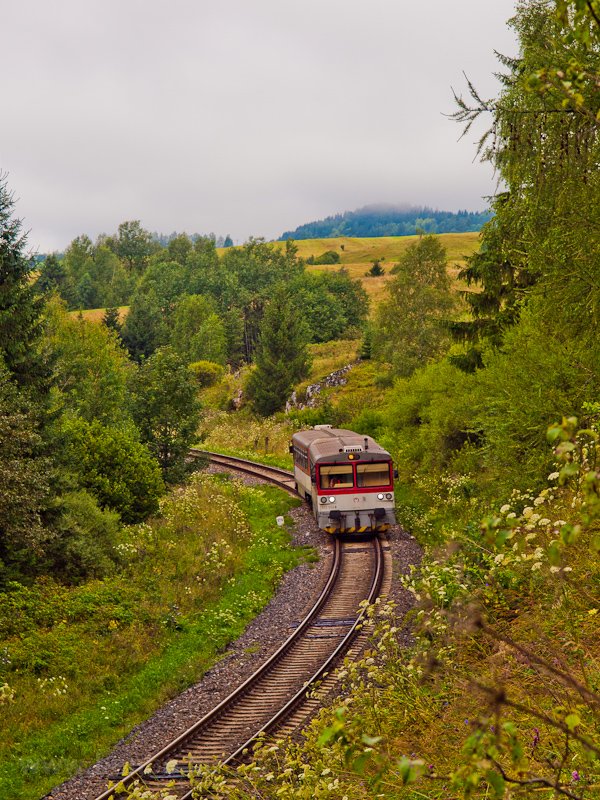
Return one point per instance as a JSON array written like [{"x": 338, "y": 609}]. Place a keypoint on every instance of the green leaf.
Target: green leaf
[
  {"x": 572, "y": 721},
  {"x": 496, "y": 781}
]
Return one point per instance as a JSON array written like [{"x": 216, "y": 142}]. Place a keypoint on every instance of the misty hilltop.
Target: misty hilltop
[{"x": 390, "y": 220}]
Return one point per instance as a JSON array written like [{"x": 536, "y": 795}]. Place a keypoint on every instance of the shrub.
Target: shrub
[
  {"x": 114, "y": 465},
  {"x": 85, "y": 547},
  {"x": 328, "y": 257},
  {"x": 207, "y": 373}
]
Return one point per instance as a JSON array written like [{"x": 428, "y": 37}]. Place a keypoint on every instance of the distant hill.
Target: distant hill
[{"x": 390, "y": 220}]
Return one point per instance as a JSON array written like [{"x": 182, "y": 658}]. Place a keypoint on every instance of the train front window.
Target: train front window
[
  {"x": 338, "y": 476},
  {"x": 368, "y": 475}
]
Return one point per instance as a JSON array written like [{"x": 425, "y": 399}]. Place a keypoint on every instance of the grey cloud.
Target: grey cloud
[{"x": 239, "y": 117}]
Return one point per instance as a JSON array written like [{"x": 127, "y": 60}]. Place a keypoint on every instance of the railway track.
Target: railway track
[
  {"x": 280, "y": 477},
  {"x": 274, "y": 700}
]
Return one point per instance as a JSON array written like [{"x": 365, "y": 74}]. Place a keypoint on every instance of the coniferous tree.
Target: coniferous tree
[
  {"x": 20, "y": 308},
  {"x": 144, "y": 328},
  {"x": 53, "y": 278},
  {"x": 281, "y": 355},
  {"x": 112, "y": 319},
  {"x": 24, "y": 489}
]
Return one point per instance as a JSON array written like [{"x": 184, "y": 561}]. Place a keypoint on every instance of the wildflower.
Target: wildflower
[
  {"x": 575, "y": 776},
  {"x": 505, "y": 508},
  {"x": 553, "y": 476}
]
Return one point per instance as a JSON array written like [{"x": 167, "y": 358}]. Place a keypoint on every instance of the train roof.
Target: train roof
[{"x": 334, "y": 444}]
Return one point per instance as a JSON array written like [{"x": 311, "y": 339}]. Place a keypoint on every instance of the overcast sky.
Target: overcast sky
[{"x": 247, "y": 117}]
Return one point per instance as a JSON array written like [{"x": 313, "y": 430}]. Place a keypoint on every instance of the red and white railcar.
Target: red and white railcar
[{"x": 348, "y": 478}]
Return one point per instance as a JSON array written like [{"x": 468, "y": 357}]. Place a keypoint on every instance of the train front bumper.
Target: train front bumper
[{"x": 375, "y": 520}]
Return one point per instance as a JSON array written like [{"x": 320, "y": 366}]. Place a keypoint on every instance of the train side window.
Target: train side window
[
  {"x": 368, "y": 475},
  {"x": 338, "y": 476}
]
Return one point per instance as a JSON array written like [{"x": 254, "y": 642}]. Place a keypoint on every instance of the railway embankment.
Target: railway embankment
[{"x": 85, "y": 664}]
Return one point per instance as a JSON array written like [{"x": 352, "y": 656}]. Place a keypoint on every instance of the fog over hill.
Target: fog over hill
[{"x": 385, "y": 219}]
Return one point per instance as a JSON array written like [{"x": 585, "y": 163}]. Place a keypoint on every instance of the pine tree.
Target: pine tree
[
  {"x": 20, "y": 308},
  {"x": 112, "y": 320},
  {"x": 144, "y": 328},
  {"x": 281, "y": 355}
]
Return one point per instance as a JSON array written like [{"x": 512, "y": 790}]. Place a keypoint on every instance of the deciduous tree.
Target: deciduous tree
[
  {"x": 166, "y": 409},
  {"x": 410, "y": 323}
]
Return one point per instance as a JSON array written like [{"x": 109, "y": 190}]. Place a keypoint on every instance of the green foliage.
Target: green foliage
[
  {"x": 198, "y": 332},
  {"x": 376, "y": 270},
  {"x": 207, "y": 373},
  {"x": 20, "y": 308},
  {"x": 133, "y": 245},
  {"x": 112, "y": 319},
  {"x": 90, "y": 368},
  {"x": 24, "y": 482},
  {"x": 410, "y": 324},
  {"x": 87, "y": 536},
  {"x": 431, "y": 416},
  {"x": 527, "y": 385},
  {"x": 114, "y": 465},
  {"x": 166, "y": 409},
  {"x": 328, "y": 257},
  {"x": 144, "y": 329},
  {"x": 281, "y": 357},
  {"x": 331, "y": 304},
  {"x": 53, "y": 278}
]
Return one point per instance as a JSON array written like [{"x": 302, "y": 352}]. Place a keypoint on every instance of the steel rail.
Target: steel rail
[
  {"x": 243, "y": 688},
  {"x": 280, "y": 717},
  {"x": 250, "y": 468}
]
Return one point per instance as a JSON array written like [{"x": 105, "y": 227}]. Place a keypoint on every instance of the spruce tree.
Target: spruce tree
[
  {"x": 111, "y": 319},
  {"x": 20, "y": 308},
  {"x": 281, "y": 355},
  {"x": 144, "y": 329}
]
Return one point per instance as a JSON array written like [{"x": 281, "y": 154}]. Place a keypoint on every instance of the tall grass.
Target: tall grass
[{"x": 82, "y": 665}]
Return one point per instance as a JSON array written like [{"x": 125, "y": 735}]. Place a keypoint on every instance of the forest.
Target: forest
[
  {"x": 390, "y": 220},
  {"x": 482, "y": 382},
  {"x": 107, "y": 411}
]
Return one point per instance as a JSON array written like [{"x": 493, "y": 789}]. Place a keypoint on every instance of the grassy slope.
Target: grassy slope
[
  {"x": 96, "y": 314},
  {"x": 195, "y": 579},
  {"x": 358, "y": 254}
]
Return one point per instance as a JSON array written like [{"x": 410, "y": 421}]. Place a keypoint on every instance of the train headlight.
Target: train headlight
[
  {"x": 332, "y": 499},
  {"x": 323, "y": 500},
  {"x": 380, "y": 496},
  {"x": 389, "y": 496}
]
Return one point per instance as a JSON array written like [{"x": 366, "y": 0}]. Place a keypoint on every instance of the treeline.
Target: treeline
[
  {"x": 388, "y": 220},
  {"x": 207, "y": 306}
]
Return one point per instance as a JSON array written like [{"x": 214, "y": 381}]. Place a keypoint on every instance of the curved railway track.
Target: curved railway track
[
  {"x": 274, "y": 699},
  {"x": 280, "y": 477}
]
